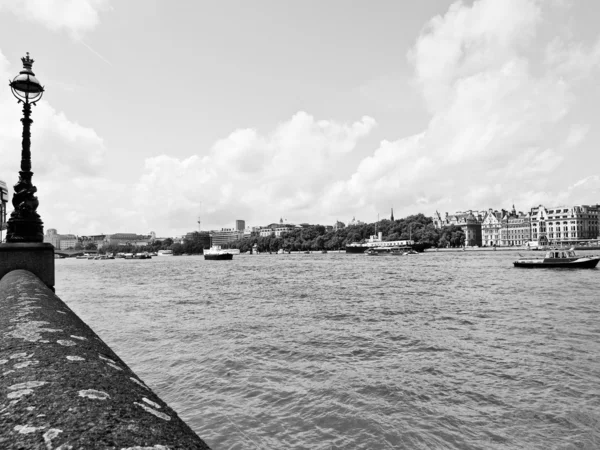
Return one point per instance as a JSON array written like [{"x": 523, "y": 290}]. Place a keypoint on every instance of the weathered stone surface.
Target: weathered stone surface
[
  {"x": 35, "y": 257},
  {"x": 62, "y": 387}
]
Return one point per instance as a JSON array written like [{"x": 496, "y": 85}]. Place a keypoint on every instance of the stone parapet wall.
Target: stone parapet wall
[{"x": 63, "y": 388}]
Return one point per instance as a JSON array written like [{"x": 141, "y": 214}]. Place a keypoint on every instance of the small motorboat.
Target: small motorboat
[{"x": 559, "y": 259}]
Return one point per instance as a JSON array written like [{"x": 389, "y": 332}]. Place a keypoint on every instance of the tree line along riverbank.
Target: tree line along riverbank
[{"x": 418, "y": 228}]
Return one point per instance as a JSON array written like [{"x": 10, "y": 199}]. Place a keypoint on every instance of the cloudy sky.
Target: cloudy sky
[{"x": 157, "y": 113}]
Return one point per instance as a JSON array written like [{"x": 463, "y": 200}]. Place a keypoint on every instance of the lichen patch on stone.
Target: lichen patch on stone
[
  {"x": 20, "y": 393},
  {"x": 21, "y": 365},
  {"x": 51, "y": 434},
  {"x": 66, "y": 342},
  {"x": 114, "y": 366},
  {"x": 106, "y": 359},
  {"x": 81, "y": 338},
  {"x": 139, "y": 382},
  {"x": 151, "y": 403},
  {"x": 27, "y": 385},
  {"x": 27, "y": 429},
  {"x": 155, "y": 447},
  {"x": 30, "y": 330},
  {"x": 75, "y": 358},
  {"x": 158, "y": 414},
  {"x": 94, "y": 394},
  {"x": 3, "y": 361}
]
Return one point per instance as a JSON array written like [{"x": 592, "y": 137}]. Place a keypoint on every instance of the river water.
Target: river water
[{"x": 335, "y": 351}]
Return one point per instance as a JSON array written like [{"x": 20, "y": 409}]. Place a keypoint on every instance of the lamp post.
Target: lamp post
[
  {"x": 25, "y": 224},
  {"x": 24, "y": 248}
]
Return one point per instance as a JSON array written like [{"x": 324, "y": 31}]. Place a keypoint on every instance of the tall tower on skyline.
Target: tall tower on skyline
[
  {"x": 199, "y": 225},
  {"x": 240, "y": 225},
  {"x": 392, "y": 216}
]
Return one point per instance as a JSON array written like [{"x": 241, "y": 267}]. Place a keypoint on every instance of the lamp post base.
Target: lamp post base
[
  {"x": 21, "y": 230},
  {"x": 36, "y": 257}
]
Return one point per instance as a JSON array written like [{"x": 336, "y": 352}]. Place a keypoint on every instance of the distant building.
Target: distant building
[
  {"x": 564, "y": 224},
  {"x": 203, "y": 237},
  {"x": 338, "y": 225},
  {"x": 355, "y": 222},
  {"x": 491, "y": 228},
  {"x": 516, "y": 229},
  {"x": 99, "y": 240},
  {"x": 471, "y": 222},
  {"x": 225, "y": 236},
  {"x": 240, "y": 225},
  {"x": 68, "y": 241},
  {"x": 277, "y": 229},
  {"x": 52, "y": 237},
  {"x": 60, "y": 241},
  {"x": 139, "y": 240}
]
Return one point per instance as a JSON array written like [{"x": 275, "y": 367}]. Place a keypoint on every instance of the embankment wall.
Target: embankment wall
[{"x": 63, "y": 388}]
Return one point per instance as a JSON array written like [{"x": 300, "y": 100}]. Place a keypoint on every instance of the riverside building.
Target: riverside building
[
  {"x": 516, "y": 229},
  {"x": 139, "y": 240},
  {"x": 469, "y": 221},
  {"x": 60, "y": 241},
  {"x": 564, "y": 224},
  {"x": 491, "y": 227},
  {"x": 225, "y": 236},
  {"x": 277, "y": 229},
  {"x": 560, "y": 225}
]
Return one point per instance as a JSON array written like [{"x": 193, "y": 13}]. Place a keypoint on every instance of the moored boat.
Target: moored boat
[
  {"x": 559, "y": 259},
  {"x": 216, "y": 253},
  {"x": 376, "y": 242}
]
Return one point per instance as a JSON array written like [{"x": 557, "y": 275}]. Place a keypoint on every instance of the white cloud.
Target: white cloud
[
  {"x": 74, "y": 16},
  {"x": 251, "y": 176},
  {"x": 468, "y": 41},
  {"x": 498, "y": 134},
  {"x": 577, "y": 134},
  {"x": 498, "y": 123},
  {"x": 585, "y": 191}
]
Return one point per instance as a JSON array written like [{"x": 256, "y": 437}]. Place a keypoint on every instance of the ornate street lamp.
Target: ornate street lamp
[{"x": 25, "y": 224}]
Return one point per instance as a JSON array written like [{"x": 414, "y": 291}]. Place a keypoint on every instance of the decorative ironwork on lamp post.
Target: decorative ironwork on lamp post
[{"x": 25, "y": 224}]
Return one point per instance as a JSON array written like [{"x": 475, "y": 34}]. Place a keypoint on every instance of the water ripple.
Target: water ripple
[{"x": 326, "y": 351}]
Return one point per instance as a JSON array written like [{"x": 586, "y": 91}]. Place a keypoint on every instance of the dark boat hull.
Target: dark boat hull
[
  {"x": 223, "y": 257},
  {"x": 587, "y": 263}
]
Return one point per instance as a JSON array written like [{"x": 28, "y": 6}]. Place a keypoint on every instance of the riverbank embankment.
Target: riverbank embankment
[
  {"x": 63, "y": 387},
  {"x": 479, "y": 249},
  {"x": 502, "y": 249}
]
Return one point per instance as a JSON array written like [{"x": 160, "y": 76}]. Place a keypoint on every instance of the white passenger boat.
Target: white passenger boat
[{"x": 216, "y": 253}]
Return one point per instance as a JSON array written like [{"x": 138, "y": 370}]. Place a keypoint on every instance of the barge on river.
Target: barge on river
[
  {"x": 377, "y": 244},
  {"x": 559, "y": 259}
]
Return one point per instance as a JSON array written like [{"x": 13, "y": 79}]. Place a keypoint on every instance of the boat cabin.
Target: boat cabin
[{"x": 555, "y": 254}]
